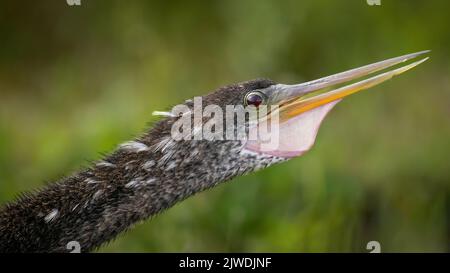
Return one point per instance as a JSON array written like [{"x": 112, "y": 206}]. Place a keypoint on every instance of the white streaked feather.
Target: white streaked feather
[
  {"x": 148, "y": 165},
  {"x": 75, "y": 207},
  {"x": 134, "y": 146},
  {"x": 163, "y": 113},
  {"x": 105, "y": 164},
  {"x": 162, "y": 144},
  {"x": 90, "y": 181},
  {"x": 149, "y": 181},
  {"x": 97, "y": 194},
  {"x": 51, "y": 216},
  {"x": 133, "y": 183}
]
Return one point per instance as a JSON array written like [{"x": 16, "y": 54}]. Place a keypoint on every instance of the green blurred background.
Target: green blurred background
[{"x": 76, "y": 81}]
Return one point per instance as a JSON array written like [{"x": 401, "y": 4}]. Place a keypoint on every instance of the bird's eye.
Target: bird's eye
[{"x": 254, "y": 98}]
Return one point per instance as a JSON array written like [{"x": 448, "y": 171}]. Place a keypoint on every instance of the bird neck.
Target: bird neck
[{"x": 140, "y": 179}]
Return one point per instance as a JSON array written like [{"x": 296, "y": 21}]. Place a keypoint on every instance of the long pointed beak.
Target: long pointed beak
[{"x": 294, "y": 100}]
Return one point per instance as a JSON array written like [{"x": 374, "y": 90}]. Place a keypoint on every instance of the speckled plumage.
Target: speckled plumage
[{"x": 141, "y": 178}]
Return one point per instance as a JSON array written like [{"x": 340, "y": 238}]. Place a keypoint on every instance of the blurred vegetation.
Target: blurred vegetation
[{"x": 75, "y": 81}]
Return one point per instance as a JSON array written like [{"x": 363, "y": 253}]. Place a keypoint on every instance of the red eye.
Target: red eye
[{"x": 254, "y": 98}]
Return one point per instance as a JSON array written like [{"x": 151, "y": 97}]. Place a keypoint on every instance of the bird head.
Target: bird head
[{"x": 290, "y": 121}]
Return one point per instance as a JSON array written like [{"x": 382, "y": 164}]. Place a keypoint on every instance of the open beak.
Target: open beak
[
  {"x": 296, "y": 99},
  {"x": 295, "y": 123}
]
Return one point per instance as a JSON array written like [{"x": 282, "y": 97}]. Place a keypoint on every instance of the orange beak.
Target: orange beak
[{"x": 297, "y": 99}]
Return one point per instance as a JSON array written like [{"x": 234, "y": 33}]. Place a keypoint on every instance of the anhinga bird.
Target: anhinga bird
[{"x": 145, "y": 176}]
